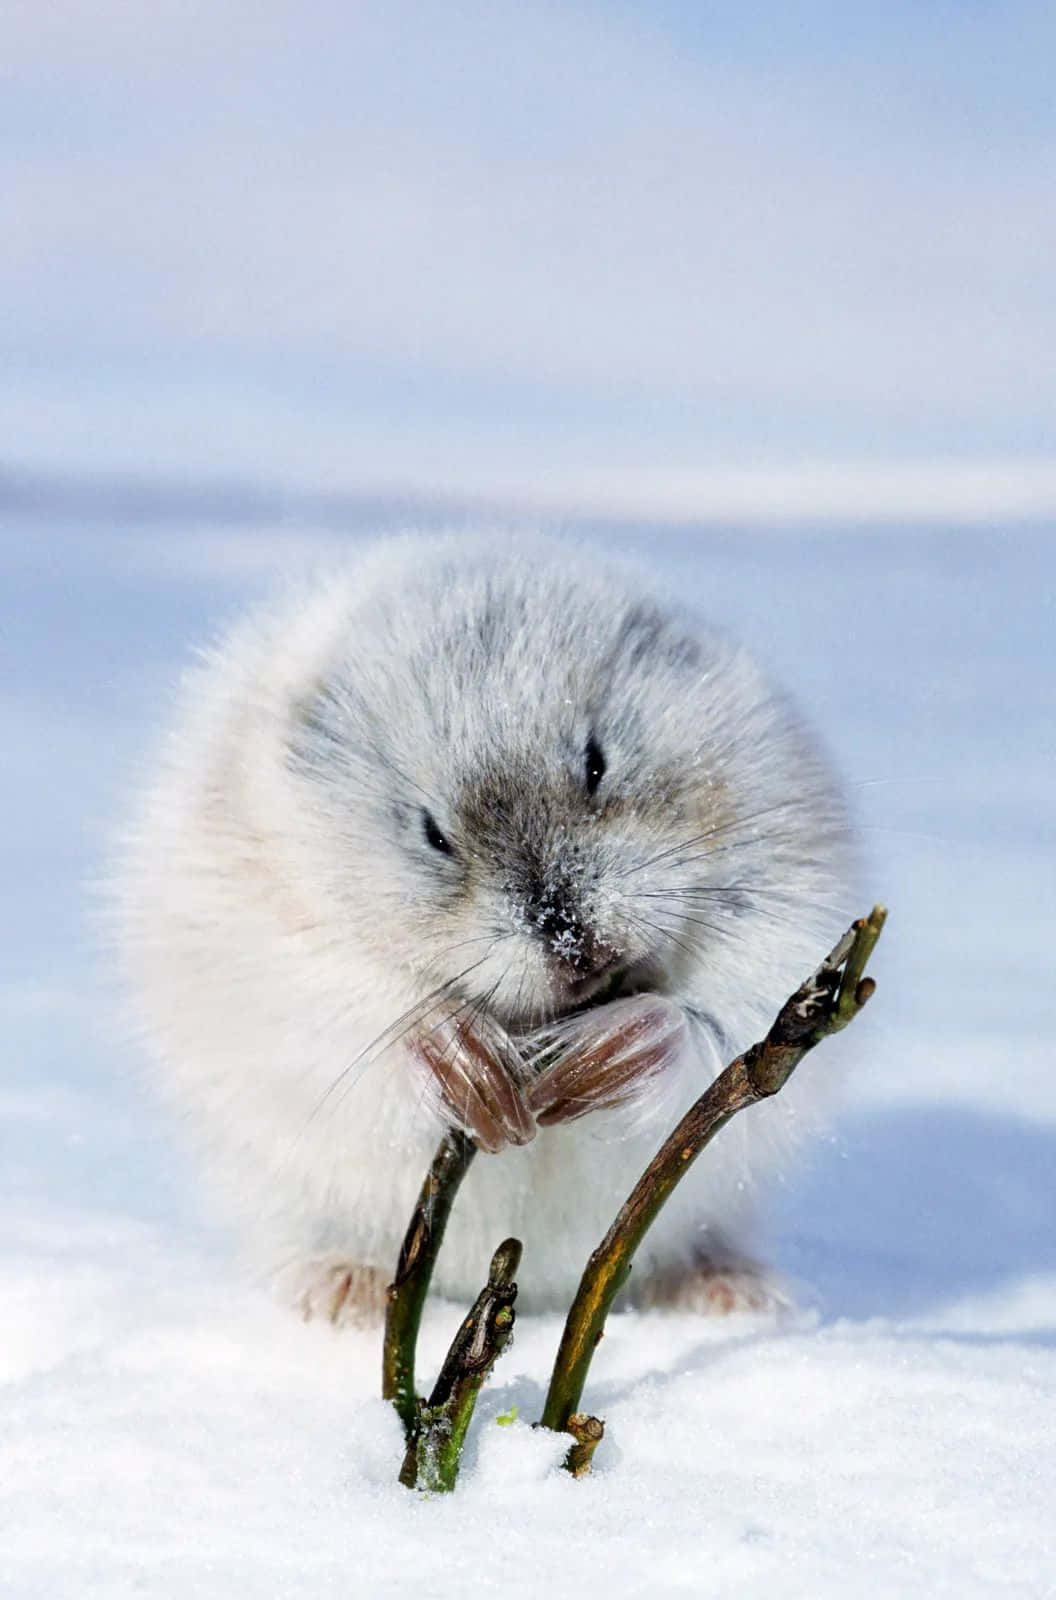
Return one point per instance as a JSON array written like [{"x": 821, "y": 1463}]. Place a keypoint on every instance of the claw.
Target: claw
[
  {"x": 476, "y": 1085},
  {"x": 606, "y": 1058}
]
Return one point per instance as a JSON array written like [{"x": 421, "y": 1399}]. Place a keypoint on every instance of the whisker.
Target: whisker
[
  {"x": 869, "y": 783},
  {"x": 718, "y": 832},
  {"x": 733, "y": 846},
  {"x": 666, "y": 933},
  {"x": 791, "y": 917},
  {"x": 395, "y": 1031},
  {"x": 774, "y": 903}
]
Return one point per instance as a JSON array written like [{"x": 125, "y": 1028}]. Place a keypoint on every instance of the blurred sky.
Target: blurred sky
[{"x": 664, "y": 259}]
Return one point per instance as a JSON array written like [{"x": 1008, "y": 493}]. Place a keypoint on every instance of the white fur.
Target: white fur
[{"x": 279, "y": 908}]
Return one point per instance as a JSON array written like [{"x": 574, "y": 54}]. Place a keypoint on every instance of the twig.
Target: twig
[
  {"x": 414, "y": 1271},
  {"x": 434, "y": 1450},
  {"x": 588, "y": 1433},
  {"x": 824, "y": 1004}
]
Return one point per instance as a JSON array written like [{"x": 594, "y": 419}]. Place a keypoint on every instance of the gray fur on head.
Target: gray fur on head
[{"x": 457, "y": 784}]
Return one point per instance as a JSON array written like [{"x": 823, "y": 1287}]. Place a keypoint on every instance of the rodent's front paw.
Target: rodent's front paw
[
  {"x": 605, "y": 1057},
  {"x": 476, "y": 1074}
]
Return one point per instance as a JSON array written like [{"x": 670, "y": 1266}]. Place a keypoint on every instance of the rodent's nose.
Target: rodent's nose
[{"x": 581, "y": 959}]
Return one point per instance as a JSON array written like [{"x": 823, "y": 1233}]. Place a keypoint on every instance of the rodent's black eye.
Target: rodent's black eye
[
  {"x": 438, "y": 840},
  {"x": 595, "y": 764}
]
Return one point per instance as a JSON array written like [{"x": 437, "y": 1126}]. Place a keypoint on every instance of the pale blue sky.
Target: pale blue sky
[{"x": 667, "y": 257}]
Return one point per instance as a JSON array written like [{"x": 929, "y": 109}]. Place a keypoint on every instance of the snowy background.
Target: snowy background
[{"x": 760, "y": 294}]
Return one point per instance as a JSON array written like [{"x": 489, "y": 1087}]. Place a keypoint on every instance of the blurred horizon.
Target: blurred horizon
[
  {"x": 62, "y": 499},
  {"x": 662, "y": 262}
]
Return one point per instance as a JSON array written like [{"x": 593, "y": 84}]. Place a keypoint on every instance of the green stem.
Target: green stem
[
  {"x": 414, "y": 1271},
  {"x": 826, "y": 1002},
  {"x": 434, "y": 1453}
]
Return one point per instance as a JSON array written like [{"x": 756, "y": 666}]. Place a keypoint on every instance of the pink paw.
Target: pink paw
[{"x": 344, "y": 1293}]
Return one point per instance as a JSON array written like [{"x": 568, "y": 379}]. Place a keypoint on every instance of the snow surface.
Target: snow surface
[{"x": 168, "y": 1431}]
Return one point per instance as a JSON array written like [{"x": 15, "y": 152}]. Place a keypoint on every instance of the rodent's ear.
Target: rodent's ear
[
  {"x": 306, "y": 709},
  {"x": 313, "y": 730},
  {"x": 648, "y": 633}
]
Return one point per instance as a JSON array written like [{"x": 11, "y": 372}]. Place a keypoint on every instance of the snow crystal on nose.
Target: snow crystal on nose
[{"x": 567, "y": 944}]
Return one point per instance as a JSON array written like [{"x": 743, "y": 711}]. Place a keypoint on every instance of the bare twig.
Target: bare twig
[
  {"x": 588, "y": 1433},
  {"x": 434, "y": 1450},
  {"x": 824, "y": 1004},
  {"x": 435, "y": 1430},
  {"x": 414, "y": 1271}
]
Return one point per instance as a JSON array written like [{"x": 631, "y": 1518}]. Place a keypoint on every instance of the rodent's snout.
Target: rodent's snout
[{"x": 579, "y": 957}]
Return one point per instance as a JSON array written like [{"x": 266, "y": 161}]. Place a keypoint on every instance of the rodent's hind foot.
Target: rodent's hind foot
[
  {"x": 721, "y": 1285},
  {"x": 346, "y": 1294}
]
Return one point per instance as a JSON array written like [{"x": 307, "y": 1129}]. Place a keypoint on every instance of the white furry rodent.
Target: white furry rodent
[{"x": 412, "y": 814}]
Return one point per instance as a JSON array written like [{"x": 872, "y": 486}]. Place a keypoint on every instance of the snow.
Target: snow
[{"x": 169, "y": 1431}]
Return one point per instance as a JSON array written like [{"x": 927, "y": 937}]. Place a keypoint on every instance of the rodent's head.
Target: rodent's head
[{"x": 531, "y": 787}]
